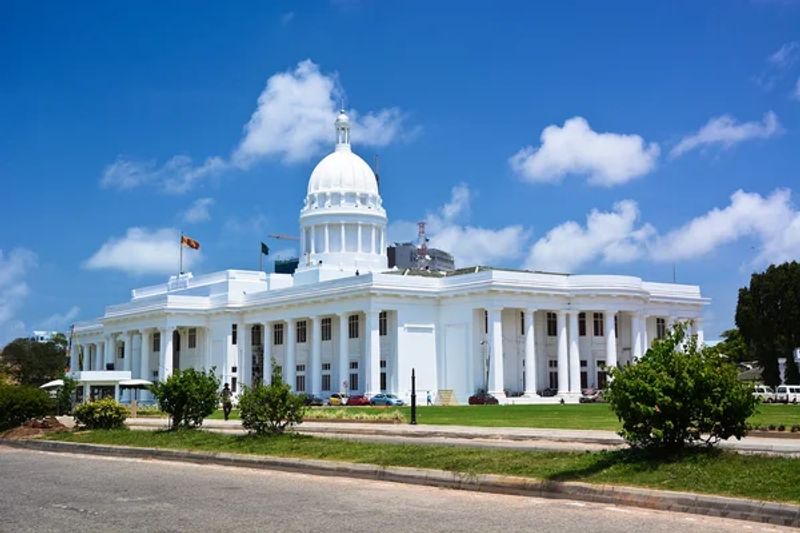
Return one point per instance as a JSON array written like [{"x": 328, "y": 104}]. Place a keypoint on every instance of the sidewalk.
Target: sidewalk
[{"x": 516, "y": 438}]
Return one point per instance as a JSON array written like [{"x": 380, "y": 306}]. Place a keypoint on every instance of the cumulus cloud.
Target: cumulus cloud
[
  {"x": 143, "y": 251},
  {"x": 448, "y": 230},
  {"x": 771, "y": 220},
  {"x": 614, "y": 237},
  {"x": 60, "y": 321},
  {"x": 606, "y": 158},
  {"x": 292, "y": 122},
  {"x": 786, "y": 55},
  {"x": 725, "y": 131},
  {"x": 14, "y": 268},
  {"x": 198, "y": 211}
]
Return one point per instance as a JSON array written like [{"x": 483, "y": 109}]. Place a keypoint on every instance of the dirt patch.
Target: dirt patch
[{"x": 34, "y": 428}]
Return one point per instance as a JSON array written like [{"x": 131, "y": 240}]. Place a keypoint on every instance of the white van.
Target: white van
[
  {"x": 787, "y": 394},
  {"x": 764, "y": 393}
]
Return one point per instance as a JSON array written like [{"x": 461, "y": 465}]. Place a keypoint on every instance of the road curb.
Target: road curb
[{"x": 743, "y": 509}]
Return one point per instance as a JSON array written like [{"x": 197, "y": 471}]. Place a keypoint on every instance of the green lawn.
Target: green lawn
[
  {"x": 715, "y": 472},
  {"x": 581, "y": 416}
]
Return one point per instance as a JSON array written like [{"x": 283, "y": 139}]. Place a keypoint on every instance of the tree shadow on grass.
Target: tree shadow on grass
[{"x": 634, "y": 460}]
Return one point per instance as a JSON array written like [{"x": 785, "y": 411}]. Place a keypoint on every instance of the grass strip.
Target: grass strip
[{"x": 704, "y": 471}]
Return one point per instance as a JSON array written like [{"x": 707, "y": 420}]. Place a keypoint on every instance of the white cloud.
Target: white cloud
[
  {"x": 773, "y": 221},
  {"x": 287, "y": 17},
  {"x": 786, "y": 55},
  {"x": 176, "y": 176},
  {"x": 796, "y": 92},
  {"x": 60, "y": 321},
  {"x": 294, "y": 119},
  {"x": 199, "y": 211},
  {"x": 606, "y": 158},
  {"x": 142, "y": 251},
  {"x": 612, "y": 237},
  {"x": 14, "y": 269},
  {"x": 470, "y": 245},
  {"x": 726, "y": 132}
]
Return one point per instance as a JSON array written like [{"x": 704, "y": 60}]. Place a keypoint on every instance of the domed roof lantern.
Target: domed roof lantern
[{"x": 342, "y": 131}]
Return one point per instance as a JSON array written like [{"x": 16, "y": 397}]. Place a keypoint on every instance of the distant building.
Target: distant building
[
  {"x": 44, "y": 336},
  {"x": 404, "y": 255}
]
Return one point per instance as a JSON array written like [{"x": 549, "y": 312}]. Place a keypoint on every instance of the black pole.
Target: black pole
[{"x": 413, "y": 398}]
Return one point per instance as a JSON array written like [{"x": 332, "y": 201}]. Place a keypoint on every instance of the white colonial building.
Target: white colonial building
[{"x": 344, "y": 322}]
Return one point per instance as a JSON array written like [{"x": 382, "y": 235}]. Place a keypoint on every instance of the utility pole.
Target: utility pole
[{"x": 413, "y": 397}]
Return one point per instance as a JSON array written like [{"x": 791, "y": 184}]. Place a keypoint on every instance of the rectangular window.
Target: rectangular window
[
  {"x": 552, "y": 366},
  {"x": 234, "y": 334},
  {"x": 192, "y": 338},
  {"x": 581, "y": 324},
  {"x": 255, "y": 335},
  {"x": 326, "y": 367},
  {"x": 300, "y": 368},
  {"x": 354, "y": 381},
  {"x": 277, "y": 334},
  {"x": 522, "y": 322},
  {"x": 300, "y": 383},
  {"x": 383, "y": 380},
  {"x": 352, "y": 326},
  {"x": 552, "y": 325},
  {"x": 616, "y": 326},
  {"x": 301, "y": 331},
  {"x": 602, "y": 378},
  {"x": 121, "y": 350},
  {"x": 233, "y": 384},
  {"x": 485, "y": 322},
  {"x": 326, "y": 329},
  {"x": 353, "y": 365},
  {"x": 661, "y": 328},
  {"x": 584, "y": 374},
  {"x": 156, "y": 342},
  {"x": 382, "y": 324},
  {"x": 598, "y": 325},
  {"x": 326, "y": 382}
]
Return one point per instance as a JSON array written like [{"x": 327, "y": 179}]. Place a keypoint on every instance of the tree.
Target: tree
[
  {"x": 679, "y": 395},
  {"x": 270, "y": 409},
  {"x": 768, "y": 317},
  {"x": 19, "y": 403},
  {"x": 732, "y": 346},
  {"x": 33, "y": 363},
  {"x": 188, "y": 396},
  {"x": 64, "y": 396}
]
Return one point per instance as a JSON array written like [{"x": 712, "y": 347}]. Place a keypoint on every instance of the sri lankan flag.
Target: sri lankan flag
[{"x": 189, "y": 243}]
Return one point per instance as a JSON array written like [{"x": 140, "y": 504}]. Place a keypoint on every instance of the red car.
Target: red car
[{"x": 358, "y": 400}]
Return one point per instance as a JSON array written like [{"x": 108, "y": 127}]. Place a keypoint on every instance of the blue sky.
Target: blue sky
[{"x": 568, "y": 136}]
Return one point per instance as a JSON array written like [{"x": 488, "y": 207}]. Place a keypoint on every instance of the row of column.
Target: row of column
[
  {"x": 377, "y": 238},
  {"x": 371, "y": 352}
]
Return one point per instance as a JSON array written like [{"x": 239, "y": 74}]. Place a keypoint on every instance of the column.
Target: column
[
  {"x": 144, "y": 355},
  {"x": 698, "y": 327},
  {"x": 313, "y": 240},
  {"x": 496, "y": 377},
  {"x": 327, "y": 239},
  {"x": 267, "y": 342},
  {"x": 530, "y": 354},
  {"x": 636, "y": 336},
  {"x": 315, "y": 363},
  {"x": 645, "y": 341},
  {"x": 341, "y": 230},
  {"x": 243, "y": 362},
  {"x": 73, "y": 356},
  {"x": 165, "y": 362},
  {"x": 372, "y": 239},
  {"x": 344, "y": 356},
  {"x": 372, "y": 353},
  {"x": 88, "y": 364},
  {"x": 109, "y": 352},
  {"x": 290, "y": 367},
  {"x": 574, "y": 355},
  {"x": 127, "y": 353},
  {"x": 563, "y": 353},
  {"x": 208, "y": 359},
  {"x": 611, "y": 340},
  {"x": 358, "y": 246}
]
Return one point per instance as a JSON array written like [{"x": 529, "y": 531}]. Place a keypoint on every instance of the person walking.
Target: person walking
[
  {"x": 227, "y": 404},
  {"x": 430, "y": 402}
]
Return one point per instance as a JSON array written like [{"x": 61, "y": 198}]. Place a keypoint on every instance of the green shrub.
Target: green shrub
[
  {"x": 673, "y": 397},
  {"x": 19, "y": 403},
  {"x": 188, "y": 396},
  {"x": 64, "y": 396},
  {"x": 101, "y": 414},
  {"x": 271, "y": 408}
]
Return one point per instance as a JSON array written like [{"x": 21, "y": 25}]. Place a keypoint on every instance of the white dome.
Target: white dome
[{"x": 344, "y": 171}]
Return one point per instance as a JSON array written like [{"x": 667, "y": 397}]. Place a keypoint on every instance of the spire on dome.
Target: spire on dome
[{"x": 342, "y": 131}]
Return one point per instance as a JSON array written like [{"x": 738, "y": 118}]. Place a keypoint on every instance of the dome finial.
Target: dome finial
[{"x": 342, "y": 131}]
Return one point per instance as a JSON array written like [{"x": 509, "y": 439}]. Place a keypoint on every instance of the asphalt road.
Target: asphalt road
[{"x": 63, "y": 492}]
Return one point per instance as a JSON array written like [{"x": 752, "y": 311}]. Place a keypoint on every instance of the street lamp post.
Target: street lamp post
[{"x": 413, "y": 397}]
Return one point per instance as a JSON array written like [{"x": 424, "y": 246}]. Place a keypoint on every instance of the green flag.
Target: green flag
[{"x": 264, "y": 249}]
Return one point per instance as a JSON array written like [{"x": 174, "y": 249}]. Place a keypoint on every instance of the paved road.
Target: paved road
[{"x": 60, "y": 492}]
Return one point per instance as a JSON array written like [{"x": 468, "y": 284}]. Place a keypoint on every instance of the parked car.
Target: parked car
[
  {"x": 386, "y": 399},
  {"x": 358, "y": 400},
  {"x": 482, "y": 398},
  {"x": 591, "y": 396},
  {"x": 764, "y": 393},
  {"x": 337, "y": 399},
  {"x": 313, "y": 400},
  {"x": 550, "y": 391},
  {"x": 787, "y": 394}
]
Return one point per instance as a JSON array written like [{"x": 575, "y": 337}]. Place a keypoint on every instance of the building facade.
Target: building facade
[{"x": 345, "y": 322}]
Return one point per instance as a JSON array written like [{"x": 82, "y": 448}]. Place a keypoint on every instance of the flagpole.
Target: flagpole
[{"x": 180, "y": 246}]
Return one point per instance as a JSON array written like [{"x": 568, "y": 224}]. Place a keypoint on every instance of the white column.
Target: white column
[
  {"x": 530, "y": 353},
  {"x": 372, "y": 354},
  {"x": 165, "y": 361},
  {"x": 496, "y": 377},
  {"x": 315, "y": 364},
  {"x": 290, "y": 368},
  {"x": 358, "y": 246},
  {"x": 109, "y": 352},
  {"x": 341, "y": 230},
  {"x": 563, "y": 353},
  {"x": 645, "y": 341},
  {"x": 372, "y": 239},
  {"x": 73, "y": 356},
  {"x": 88, "y": 363},
  {"x": 313, "y": 240},
  {"x": 327, "y": 239},
  {"x": 636, "y": 336},
  {"x": 144, "y": 354},
  {"x": 344, "y": 356},
  {"x": 267, "y": 342},
  {"x": 242, "y": 351},
  {"x": 698, "y": 327},
  {"x": 127, "y": 353},
  {"x": 382, "y": 249},
  {"x": 574, "y": 355},
  {"x": 208, "y": 356},
  {"x": 611, "y": 340}
]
